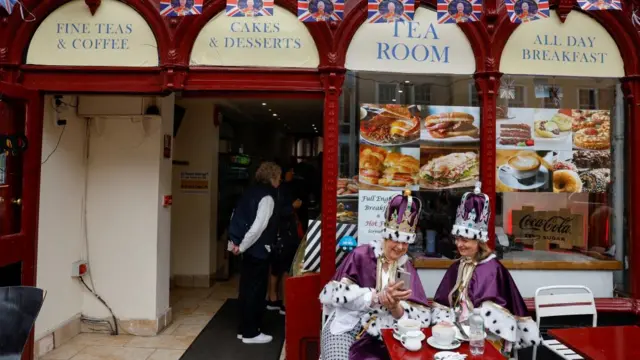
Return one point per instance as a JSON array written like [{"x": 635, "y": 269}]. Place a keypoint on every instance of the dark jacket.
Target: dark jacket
[{"x": 245, "y": 214}]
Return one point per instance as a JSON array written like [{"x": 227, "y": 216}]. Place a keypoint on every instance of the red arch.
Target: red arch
[
  {"x": 357, "y": 15},
  {"x": 24, "y": 31},
  {"x": 616, "y": 23},
  {"x": 189, "y": 28}
]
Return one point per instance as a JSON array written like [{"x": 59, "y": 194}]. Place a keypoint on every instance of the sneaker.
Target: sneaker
[
  {"x": 282, "y": 310},
  {"x": 274, "y": 305},
  {"x": 239, "y": 336},
  {"x": 260, "y": 339}
]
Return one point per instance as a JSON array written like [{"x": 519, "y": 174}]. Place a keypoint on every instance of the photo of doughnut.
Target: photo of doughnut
[{"x": 581, "y": 171}]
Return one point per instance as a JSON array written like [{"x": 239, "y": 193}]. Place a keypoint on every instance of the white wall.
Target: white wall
[
  {"x": 600, "y": 282},
  {"x": 60, "y": 238},
  {"x": 128, "y": 231},
  {"x": 194, "y": 214}
]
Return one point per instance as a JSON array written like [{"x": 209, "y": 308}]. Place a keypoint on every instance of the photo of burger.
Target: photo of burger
[
  {"x": 443, "y": 169},
  {"x": 451, "y": 124},
  {"x": 388, "y": 167}
]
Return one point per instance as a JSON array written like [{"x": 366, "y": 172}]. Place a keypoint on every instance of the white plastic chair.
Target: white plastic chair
[{"x": 563, "y": 300}]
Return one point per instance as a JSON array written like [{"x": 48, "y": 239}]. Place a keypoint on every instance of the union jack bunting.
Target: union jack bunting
[
  {"x": 458, "y": 11},
  {"x": 386, "y": 11},
  {"x": 600, "y": 4},
  {"x": 8, "y": 5},
  {"x": 249, "y": 8},
  {"x": 522, "y": 11},
  {"x": 320, "y": 10},
  {"x": 173, "y": 8}
]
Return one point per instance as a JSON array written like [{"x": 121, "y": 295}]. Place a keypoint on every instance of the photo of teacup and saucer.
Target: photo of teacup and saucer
[{"x": 524, "y": 170}]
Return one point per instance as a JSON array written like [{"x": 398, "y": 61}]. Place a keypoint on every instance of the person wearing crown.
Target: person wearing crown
[
  {"x": 364, "y": 297},
  {"x": 479, "y": 280}
]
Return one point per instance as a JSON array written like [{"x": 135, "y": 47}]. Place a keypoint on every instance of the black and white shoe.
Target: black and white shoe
[
  {"x": 282, "y": 311},
  {"x": 274, "y": 305}
]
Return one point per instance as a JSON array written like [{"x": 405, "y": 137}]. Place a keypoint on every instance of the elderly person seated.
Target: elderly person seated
[
  {"x": 479, "y": 280},
  {"x": 364, "y": 297}
]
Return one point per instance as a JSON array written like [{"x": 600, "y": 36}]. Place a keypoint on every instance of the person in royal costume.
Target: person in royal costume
[
  {"x": 363, "y": 297},
  {"x": 479, "y": 280}
]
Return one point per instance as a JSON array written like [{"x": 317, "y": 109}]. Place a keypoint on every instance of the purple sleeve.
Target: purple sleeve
[
  {"x": 446, "y": 284},
  {"x": 418, "y": 295},
  {"x": 348, "y": 269},
  {"x": 492, "y": 282}
]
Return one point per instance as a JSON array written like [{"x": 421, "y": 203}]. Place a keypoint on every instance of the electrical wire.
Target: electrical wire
[
  {"x": 56, "y": 147},
  {"x": 113, "y": 316}
]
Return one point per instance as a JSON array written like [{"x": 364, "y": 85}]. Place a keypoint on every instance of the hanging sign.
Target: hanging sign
[
  {"x": 522, "y": 11},
  {"x": 280, "y": 40},
  {"x": 117, "y": 35},
  {"x": 173, "y": 8},
  {"x": 388, "y": 11},
  {"x": 590, "y": 5},
  {"x": 249, "y": 8},
  {"x": 421, "y": 46},
  {"x": 459, "y": 11},
  {"x": 579, "y": 47},
  {"x": 320, "y": 10}
]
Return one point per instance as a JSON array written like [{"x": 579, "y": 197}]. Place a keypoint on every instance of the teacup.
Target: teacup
[
  {"x": 443, "y": 334},
  {"x": 406, "y": 325},
  {"x": 412, "y": 340},
  {"x": 523, "y": 167}
]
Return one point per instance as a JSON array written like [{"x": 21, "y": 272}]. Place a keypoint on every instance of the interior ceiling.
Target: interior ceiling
[{"x": 293, "y": 115}]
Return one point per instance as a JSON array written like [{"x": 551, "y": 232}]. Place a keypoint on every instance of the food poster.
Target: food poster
[
  {"x": 451, "y": 125},
  {"x": 554, "y": 150},
  {"x": 390, "y": 124},
  {"x": 371, "y": 214},
  {"x": 447, "y": 168},
  {"x": 388, "y": 168}
]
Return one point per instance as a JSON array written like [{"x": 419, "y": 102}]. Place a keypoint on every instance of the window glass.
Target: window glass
[
  {"x": 3, "y": 169},
  {"x": 559, "y": 169},
  {"x": 408, "y": 131}
]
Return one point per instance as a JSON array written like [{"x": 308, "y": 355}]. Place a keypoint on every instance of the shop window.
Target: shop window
[
  {"x": 386, "y": 93},
  {"x": 556, "y": 176},
  {"x": 3, "y": 169},
  {"x": 520, "y": 97},
  {"x": 588, "y": 99},
  {"x": 422, "y": 94},
  {"x": 473, "y": 94}
]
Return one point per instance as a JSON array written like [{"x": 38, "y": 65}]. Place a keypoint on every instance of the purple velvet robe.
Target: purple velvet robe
[
  {"x": 360, "y": 266},
  {"x": 490, "y": 281}
]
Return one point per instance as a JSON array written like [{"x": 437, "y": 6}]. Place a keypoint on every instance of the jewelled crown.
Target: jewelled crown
[
  {"x": 472, "y": 217},
  {"x": 401, "y": 218}
]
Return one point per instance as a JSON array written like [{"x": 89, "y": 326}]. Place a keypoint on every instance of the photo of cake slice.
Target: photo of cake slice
[{"x": 515, "y": 135}]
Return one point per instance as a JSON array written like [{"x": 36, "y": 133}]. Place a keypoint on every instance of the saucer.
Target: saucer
[
  {"x": 396, "y": 335},
  {"x": 454, "y": 345},
  {"x": 444, "y": 355}
]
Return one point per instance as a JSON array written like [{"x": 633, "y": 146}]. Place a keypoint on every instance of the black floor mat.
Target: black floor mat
[{"x": 218, "y": 339}]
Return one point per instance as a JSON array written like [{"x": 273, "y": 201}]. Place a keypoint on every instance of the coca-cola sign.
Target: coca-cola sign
[{"x": 561, "y": 227}]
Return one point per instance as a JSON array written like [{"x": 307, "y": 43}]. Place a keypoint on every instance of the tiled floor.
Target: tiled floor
[{"x": 192, "y": 310}]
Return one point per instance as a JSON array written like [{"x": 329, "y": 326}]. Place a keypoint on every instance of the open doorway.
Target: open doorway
[{"x": 218, "y": 145}]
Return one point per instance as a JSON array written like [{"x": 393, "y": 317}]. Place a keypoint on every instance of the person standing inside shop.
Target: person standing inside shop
[
  {"x": 288, "y": 240},
  {"x": 252, "y": 232}
]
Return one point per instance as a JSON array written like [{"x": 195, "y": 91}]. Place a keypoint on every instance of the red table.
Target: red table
[
  {"x": 602, "y": 343},
  {"x": 398, "y": 352}
]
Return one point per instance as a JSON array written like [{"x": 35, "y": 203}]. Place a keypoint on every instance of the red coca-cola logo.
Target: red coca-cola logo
[{"x": 556, "y": 224}]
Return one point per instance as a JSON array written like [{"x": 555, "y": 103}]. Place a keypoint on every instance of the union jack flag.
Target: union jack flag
[
  {"x": 312, "y": 11},
  {"x": 521, "y": 11},
  {"x": 600, "y": 4},
  {"x": 386, "y": 11},
  {"x": 457, "y": 11},
  {"x": 172, "y": 8},
  {"x": 8, "y": 5},
  {"x": 249, "y": 8}
]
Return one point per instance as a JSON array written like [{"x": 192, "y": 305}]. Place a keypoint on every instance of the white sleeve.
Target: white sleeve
[{"x": 265, "y": 210}]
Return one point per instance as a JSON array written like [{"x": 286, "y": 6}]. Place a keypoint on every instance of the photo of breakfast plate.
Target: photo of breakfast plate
[
  {"x": 388, "y": 167},
  {"x": 448, "y": 168},
  {"x": 450, "y": 124},
  {"x": 390, "y": 124}
]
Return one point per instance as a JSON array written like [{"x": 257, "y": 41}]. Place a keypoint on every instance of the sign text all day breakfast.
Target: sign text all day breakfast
[{"x": 567, "y": 49}]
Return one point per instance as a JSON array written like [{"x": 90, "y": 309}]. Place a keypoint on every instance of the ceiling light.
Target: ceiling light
[
  {"x": 399, "y": 91},
  {"x": 264, "y": 104},
  {"x": 274, "y": 114},
  {"x": 394, "y": 100},
  {"x": 269, "y": 109},
  {"x": 407, "y": 81}
]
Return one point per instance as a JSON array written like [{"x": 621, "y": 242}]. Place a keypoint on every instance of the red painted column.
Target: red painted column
[
  {"x": 487, "y": 84},
  {"x": 332, "y": 82},
  {"x": 631, "y": 89}
]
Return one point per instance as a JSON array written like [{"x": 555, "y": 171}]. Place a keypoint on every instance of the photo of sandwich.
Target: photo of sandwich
[
  {"x": 451, "y": 125},
  {"x": 388, "y": 167},
  {"x": 448, "y": 168},
  {"x": 389, "y": 124}
]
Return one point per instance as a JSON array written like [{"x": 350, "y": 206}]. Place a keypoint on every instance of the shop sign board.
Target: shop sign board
[
  {"x": 579, "y": 47},
  {"x": 115, "y": 36},
  {"x": 421, "y": 46},
  {"x": 280, "y": 40},
  {"x": 371, "y": 212},
  {"x": 554, "y": 227}
]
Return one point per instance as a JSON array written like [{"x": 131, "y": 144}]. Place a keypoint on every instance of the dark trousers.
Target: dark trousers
[{"x": 254, "y": 278}]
